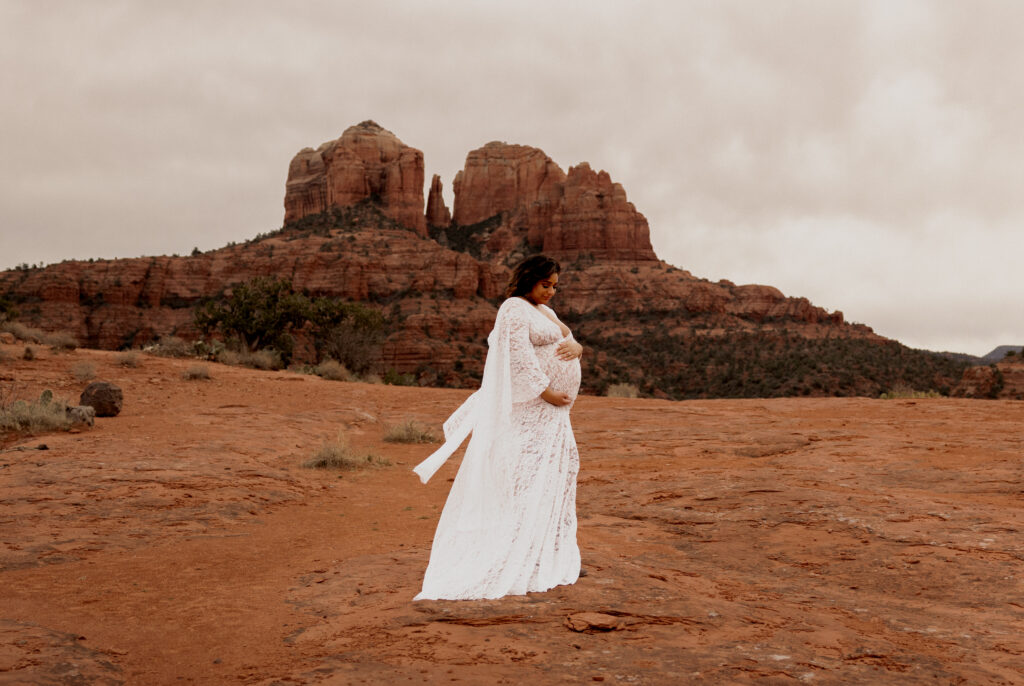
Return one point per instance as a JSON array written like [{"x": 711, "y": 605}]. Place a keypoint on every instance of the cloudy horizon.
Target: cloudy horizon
[{"x": 865, "y": 155}]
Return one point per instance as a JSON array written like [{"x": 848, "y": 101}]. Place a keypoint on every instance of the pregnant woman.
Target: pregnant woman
[{"x": 509, "y": 525}]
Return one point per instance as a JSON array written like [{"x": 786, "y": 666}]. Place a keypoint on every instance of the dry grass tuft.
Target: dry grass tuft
[
  {"x": 622, "y": 390},
  {"x": 39, "y": 416},
  {"x": 265, "y": 359},
  {"x": 410, "y": 431},
  {"x": 83, "y": 371},
  {"x": 196, "y": 372},
  {"x": 339, "y": 454},
  {"x": 333, "y": 371},
  {"x": 61, "y": 341},
  {"x": 28, "y": 334},
  {"x": 129, "y": 358},
  {"x": 902, "y": 391},
  {"x": 172, "y": 346}
]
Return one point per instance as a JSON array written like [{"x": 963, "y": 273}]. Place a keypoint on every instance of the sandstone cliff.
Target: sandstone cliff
[
  {"x": 1004, "y": 379},
  {"x": 437, "y": 211},
  {"x": 366, "y": 162},
  {"x": 511, "y": 200}
]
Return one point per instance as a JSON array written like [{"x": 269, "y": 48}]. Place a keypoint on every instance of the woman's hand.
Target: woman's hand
[
  {"x": 568, "y": 350},
  {"x": 556, "y": 398}
]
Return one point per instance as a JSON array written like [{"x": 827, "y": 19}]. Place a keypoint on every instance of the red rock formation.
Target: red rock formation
[
  {"x": 437, "y": 211},
  {"x": 511, "y": 199},
  {"x": 595, "y": 218},
  {"x": 367, "y": 162},
  {"x": 1005, "y": 379},
  {"x": 538, "y": 204}
]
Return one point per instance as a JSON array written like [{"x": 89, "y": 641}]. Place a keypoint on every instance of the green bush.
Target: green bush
[
  {"x": 264, "y": 312},
  {"x": 394, "y": 378}
]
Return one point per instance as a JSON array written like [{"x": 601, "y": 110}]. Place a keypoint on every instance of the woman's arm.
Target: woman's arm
[{"x": 528, "y": 379}]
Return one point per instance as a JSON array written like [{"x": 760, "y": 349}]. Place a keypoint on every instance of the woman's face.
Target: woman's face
[{"x": 544, "y": 290}]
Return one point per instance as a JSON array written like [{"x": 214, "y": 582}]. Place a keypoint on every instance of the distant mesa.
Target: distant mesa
[{"x": 999, "y": 352}]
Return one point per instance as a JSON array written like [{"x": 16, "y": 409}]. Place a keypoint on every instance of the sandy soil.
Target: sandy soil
[{"x": 840, "y": 541}]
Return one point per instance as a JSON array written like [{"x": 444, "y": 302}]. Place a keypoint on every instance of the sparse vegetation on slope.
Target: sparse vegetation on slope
[{"x": 762, "y": 364}]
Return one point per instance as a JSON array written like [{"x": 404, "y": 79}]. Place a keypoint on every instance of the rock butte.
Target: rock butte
[{"x": 440, "y": 272}]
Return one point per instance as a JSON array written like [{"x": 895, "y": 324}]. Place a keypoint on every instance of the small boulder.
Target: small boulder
[
  {"x": 593, "y": 621},
  {"x": 81, "y": 415},
  {"x": 104, "y": 397},
  {"x": 7, "y": 338}
]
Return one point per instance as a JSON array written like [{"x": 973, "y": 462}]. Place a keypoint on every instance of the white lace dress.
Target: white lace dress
[{"x": 509, "y": 524}]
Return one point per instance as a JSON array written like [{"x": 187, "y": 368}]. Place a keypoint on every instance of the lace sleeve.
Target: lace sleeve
[{"x": 528, "y": 381}]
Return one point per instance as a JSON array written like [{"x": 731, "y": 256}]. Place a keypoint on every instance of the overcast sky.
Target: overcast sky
[{"x": 866, "y": 155}]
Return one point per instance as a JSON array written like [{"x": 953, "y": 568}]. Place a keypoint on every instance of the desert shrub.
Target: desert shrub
[
  {"x": 261, "y": 359},
  {"x": 263, "y": 313},
  {"x": 226, "y": 356},
  {"x": 339, "y": 454},
  {"x": 265, "y": 359},
  {"x": 901, "y": 391},
  {"x": 28, "y": 334},
  {"x": 394, "y": 378},
  {"x": 371, "y": 378},
  {"x": 8, "y": 310},
  {"x": 196, "y": 372},
  {"x": 622, "y": 390},
  {"x": 410, "y": 431},
  {"x": 172, "y": 346},
  {"x": 43, "y": 414},
  {"x": 61, "y": 340},
  {"x": 349, "y": 333},
  {"x": 128, "y": 358},
  {"x": 83, "y": 371},
  {"x": 333, "y": 371},
  {"x": 29, "y": 354}
]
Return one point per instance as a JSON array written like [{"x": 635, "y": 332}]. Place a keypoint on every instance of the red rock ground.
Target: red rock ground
[{"x": 823, "y": 541}]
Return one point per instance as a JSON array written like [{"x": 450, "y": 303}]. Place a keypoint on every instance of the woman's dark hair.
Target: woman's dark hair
[{"x": 529, "y": 272}]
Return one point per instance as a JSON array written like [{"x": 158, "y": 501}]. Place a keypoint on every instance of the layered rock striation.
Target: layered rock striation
[
  {"x": 367, "y": 162},
  {"x": 511, "y": 200}
]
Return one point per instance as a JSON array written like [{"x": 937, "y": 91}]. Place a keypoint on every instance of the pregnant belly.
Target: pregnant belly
[{"x": 565, "y": 376}]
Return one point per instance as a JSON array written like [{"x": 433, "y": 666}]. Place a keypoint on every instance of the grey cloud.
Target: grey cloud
[{"x": 138, "y": 128}]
